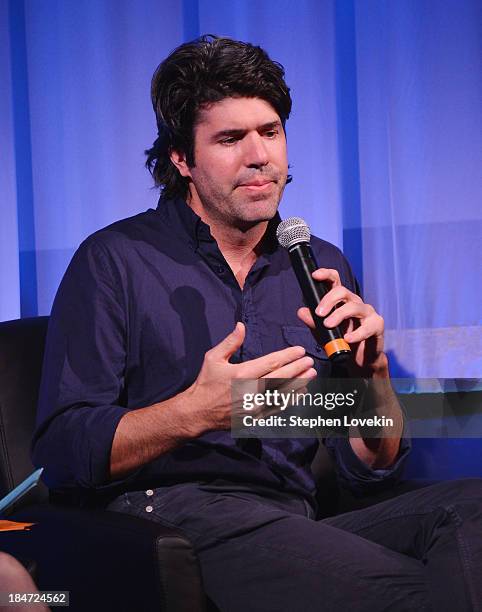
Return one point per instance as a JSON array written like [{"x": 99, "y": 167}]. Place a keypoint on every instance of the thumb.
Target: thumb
[
  {"x": 305, "y": 315},
  {"x": 227, "y": 347}
]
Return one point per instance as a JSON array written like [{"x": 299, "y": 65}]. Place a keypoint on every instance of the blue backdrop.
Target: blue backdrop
[{"x": 385, "y": 143}]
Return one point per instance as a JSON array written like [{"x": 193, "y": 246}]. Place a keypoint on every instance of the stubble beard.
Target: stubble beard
[
  {"x": 232, "y": 208},
  {"x": 244, "y": 211}
]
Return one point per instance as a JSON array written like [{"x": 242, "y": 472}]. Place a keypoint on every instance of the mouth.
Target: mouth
[{"x": 257, "y": 185}]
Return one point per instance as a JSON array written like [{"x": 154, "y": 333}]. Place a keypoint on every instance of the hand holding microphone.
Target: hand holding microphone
[
  {"x": 365, "y": 325},
  {"x": 294, "y": 234}
]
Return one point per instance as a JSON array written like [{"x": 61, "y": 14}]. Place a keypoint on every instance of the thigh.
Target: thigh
[{"x": 260, "y": 556}]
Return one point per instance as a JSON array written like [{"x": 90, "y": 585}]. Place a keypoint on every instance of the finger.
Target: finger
[
  {"x": 297, "y": 384},
  {"x": 308, "y": 374},
  {"x": 327, "y": 274},
  {"x": 350, "y": 310},
  {"x": 305, "y": 315},
  {"x": 369, "y": 328},
  {"x": 293, "y": 369},
  {"x": 334, "y": 297},
  {"x": 259, "y": 367},
  {"x": 227, "y": 347},
  {"x": 288, "y": 393}
]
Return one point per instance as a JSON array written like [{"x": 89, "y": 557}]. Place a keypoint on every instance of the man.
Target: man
[{"x": 136, "y": 397}]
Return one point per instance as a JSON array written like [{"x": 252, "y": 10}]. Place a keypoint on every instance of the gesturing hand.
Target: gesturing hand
[{"x": 211, "y": 392}]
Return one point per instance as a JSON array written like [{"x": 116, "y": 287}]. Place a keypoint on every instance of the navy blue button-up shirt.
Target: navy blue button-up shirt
[{"x": 140, "y": 304}]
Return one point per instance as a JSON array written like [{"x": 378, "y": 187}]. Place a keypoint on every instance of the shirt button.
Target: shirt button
[
  {"x": 149, "y": 492},
  {"x": 149, "y": 508}
]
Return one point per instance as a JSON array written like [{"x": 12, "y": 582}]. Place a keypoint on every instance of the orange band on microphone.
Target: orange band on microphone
[{"x": 335, "y": 346}]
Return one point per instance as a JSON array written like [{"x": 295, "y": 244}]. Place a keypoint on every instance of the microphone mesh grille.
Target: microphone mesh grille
[{"x": 291, "y": 231}]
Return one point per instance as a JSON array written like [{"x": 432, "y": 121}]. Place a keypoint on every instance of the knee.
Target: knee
[
  {"x": 9, "y": 566},
  {"x": 13, "y": 576},
  {"x": 467, "y": 488},
  {"x": 11, "y": 570}
]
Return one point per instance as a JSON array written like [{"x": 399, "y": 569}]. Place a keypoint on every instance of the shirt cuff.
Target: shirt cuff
[{"x": 356, "y": 475}]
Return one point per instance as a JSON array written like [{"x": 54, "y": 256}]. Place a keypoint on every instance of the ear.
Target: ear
[{"x": 178, "y": 158}]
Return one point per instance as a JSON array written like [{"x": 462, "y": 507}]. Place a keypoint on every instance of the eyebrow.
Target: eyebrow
[{"x": 240, "y": 132}]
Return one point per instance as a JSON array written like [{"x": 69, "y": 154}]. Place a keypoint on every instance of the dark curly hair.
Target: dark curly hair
[{"x": 197, "y": 74}]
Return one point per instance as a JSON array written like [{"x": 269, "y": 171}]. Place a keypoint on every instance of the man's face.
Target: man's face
[{"x": 240, "y": 162}]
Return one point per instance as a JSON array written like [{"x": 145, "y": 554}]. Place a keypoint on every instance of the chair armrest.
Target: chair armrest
[{"x": 108, "y": 560}]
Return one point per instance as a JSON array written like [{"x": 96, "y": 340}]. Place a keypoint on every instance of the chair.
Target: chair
[{"x": 106, "y": 560}]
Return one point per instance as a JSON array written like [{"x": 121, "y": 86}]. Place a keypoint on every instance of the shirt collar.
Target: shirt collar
[{"x": 188, "y": 224}]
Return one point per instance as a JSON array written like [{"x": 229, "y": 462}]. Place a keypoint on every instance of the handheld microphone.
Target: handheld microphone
[{"x": 294, "y": 234}]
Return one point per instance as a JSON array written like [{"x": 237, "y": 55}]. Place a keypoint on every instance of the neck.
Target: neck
[
  {"x": 240, "y": 246},
  {"x": 240, "y": 249}
]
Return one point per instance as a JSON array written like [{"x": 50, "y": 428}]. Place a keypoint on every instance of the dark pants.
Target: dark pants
[{"x": 419, "y": 551}]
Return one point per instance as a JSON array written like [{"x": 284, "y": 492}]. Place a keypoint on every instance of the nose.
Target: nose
[{"x": 256, "y": 153}]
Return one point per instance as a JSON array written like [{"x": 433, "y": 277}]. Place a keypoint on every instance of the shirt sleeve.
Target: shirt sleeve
[
  {"x": 80, "y": 401},
  {"x": 355, "y": 475}
]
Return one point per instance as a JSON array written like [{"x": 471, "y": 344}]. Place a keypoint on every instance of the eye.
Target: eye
[
  {"x": 230, "y": 140},
  {"x": 271, "y": 133}
]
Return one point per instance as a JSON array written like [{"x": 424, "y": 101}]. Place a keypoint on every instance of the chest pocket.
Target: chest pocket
[{"x": 300, "y": 335}]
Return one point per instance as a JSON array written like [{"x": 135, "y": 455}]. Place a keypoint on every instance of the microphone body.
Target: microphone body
[{"x": 304, "y": 264}]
